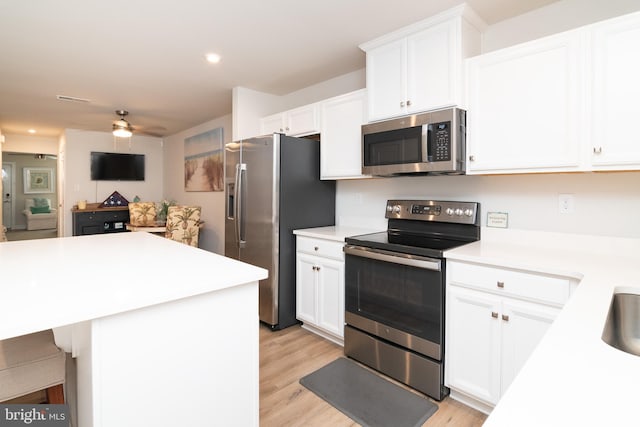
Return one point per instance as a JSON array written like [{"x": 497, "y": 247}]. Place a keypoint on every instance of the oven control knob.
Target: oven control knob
[
  {"x": 389, "y": 208},
  {"x": 468, "y": 212},
  {"x": 459, "y": 212},
  {"x": 449, "y": 211},
  {"x": 394, "y": 209}
]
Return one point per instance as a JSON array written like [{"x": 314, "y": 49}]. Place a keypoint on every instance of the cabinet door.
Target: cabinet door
[
  {"x": 386, "y": 80},
  {"x": 616, "y": 90},
  {"x": 302, "y": 121},
  {"x": 523, "y": 326},
  {"x": 306, "y": 303},
  {"x": 432, "y": 72},
  {"x": 272, "y": 124},
  {"x": 473, "y": 343},
  {"x": 341, "y": 136},
  {"x": 331, "y": 297},
  {"x": 524, "y": 111}
]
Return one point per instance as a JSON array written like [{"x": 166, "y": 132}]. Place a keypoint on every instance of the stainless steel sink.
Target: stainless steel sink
[{"x": 622, "y": 328}]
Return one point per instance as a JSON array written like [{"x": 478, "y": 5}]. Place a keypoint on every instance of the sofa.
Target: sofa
[{"x": 40, "y": 215}]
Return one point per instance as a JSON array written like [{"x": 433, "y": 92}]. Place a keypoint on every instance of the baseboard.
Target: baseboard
[
  {"x": 323, "y": 334},
  {"x": 471, "y": 402}
]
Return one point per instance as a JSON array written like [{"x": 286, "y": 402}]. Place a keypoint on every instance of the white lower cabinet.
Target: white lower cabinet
[
  {"x": 495, "y": 319},
  {"x": 320, "y": 287}
]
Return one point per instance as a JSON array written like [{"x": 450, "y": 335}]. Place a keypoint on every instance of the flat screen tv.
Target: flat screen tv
[{"x": 117, "y": 167}]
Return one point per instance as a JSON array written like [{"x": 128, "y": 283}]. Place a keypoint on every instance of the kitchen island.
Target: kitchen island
[
  {"x": 163, "y": 334},
  {"x": 573, "y": 377}
]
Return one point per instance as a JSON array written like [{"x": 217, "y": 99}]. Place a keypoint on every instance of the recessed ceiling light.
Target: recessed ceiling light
[
  {"x": 213, "y": 58},
  {"x": 31, "y": 131}
]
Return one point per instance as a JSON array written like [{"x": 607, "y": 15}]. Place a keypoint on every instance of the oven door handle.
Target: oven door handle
[{"x": 394, "y": 257}]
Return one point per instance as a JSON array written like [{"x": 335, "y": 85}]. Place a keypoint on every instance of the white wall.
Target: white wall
[
  {"x": 605, "y": 203},
  {"x": 557, "y": 17},
  {"x": 212, "y": 202},
  {"x": 30, "y": 144},
  {"x": 249, "y": 106},
  {"x": 78, "y": 145}
]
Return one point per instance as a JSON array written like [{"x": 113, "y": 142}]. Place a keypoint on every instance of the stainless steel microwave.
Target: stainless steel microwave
[{"x": 427, "y": 143}]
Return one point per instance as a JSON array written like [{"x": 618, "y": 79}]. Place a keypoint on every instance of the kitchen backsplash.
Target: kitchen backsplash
[{"x": 604, "y": 203}]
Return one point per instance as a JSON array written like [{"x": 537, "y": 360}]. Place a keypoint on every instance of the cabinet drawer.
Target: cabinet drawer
[
  {"x": 319, "y": 247},
  {"x": 526, "y": 285}
]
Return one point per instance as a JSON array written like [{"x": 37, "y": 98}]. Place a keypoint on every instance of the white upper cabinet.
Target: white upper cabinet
[
  {"x": 525, "y": 106},
  {"x": 616, "y": 90},
  {"x": 297, "y": 122},
  {"x": 419, "y": 68},
  {"x": 563, "y": 103},
  {"x": 340, "y": 140}
]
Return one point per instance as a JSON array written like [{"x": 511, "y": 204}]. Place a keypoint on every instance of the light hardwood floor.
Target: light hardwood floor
[{"x": 290, "y": 354}]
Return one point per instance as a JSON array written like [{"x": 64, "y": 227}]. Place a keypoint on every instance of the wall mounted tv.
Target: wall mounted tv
[{"x": 117, "y": 167}]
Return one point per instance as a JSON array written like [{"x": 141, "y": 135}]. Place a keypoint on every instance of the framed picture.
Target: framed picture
[
  {"x": 38, "y": 180},
  {"x": 204, "y": 162}
]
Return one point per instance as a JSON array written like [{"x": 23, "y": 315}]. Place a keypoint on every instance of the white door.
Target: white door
[
  {"x": 386, "y": 80},
  {"x": 523, "y": 326},
  {"x": 7, "y": 195},
  {"x": 331, "y": 297},
  {"x": 341, "y": 143},
  {"x": 306, "y": 277},
  {"x": 525, "y": 107},
  {"x": 473, "y": 343},
  {"x": 431, "y": 68},
  {"x": 616, "y": 90}
]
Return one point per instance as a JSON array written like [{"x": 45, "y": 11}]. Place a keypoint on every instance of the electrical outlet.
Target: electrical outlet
[{"x": 566, "y": 203}]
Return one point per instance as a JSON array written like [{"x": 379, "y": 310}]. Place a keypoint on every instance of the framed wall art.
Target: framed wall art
[
  {"x": 38, "y": 180},
  {"x": 204, "y": 162}
]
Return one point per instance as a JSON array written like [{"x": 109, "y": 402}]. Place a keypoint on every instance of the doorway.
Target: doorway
[{"x": 8, "y": 191}]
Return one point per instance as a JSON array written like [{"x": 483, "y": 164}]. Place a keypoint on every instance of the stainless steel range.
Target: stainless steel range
[{"x": 395, "y": 290}]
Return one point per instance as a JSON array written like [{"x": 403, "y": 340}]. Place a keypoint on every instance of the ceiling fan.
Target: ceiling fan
[{"x": 122, "y": 128}]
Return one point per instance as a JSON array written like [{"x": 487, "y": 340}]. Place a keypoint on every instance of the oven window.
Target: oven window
[
  {"x": 393, "y": 147},
  {"x": 406, "y": 298}
]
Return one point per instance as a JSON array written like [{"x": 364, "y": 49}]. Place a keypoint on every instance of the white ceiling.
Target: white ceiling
[{"x": 147, "y": 56}]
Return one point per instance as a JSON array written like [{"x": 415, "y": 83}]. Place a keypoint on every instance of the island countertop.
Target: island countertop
[
  {"x": 49, "y": 283},
  {"x": 573, "y": 377}
]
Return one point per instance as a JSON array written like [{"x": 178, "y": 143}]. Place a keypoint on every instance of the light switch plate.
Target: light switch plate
[{"x": 497, "y": 219}]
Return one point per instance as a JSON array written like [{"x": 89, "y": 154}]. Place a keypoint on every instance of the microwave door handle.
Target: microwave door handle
[
  {"x": 392, "y": 257},
  {"x": 426, "y": 146}
]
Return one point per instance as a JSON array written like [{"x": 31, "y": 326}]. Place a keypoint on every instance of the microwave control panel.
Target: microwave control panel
[{"x": 440, "y": 142}]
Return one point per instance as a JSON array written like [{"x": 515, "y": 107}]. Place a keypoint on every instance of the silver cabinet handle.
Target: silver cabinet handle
[
  {"x": 500, "y": 284},
  {"x": 401, "y": 104},
  {"x": 597, "y": 150},
  {"x": 315, "y": 248},
  {"x": 494, "y": 314},
  {"x": 287, "y": 129},
  {"x": 409, "y": 103},
  {"x": 505, "y": 317},
  {"x": 472, "y": 158}
]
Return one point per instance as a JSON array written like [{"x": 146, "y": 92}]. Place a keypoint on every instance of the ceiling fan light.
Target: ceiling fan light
[{"x": 120, "y": 130}]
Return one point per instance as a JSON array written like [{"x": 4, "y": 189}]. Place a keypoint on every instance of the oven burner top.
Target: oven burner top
[
  {"x": 407, "y": 244},
  {"x": 424, "y": 227}
]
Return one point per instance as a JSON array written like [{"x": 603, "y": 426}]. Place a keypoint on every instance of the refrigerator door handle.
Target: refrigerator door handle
[{"x": 240, "y": 169}]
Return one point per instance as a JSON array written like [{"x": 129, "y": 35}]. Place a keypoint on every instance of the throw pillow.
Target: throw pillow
[
  {"x": 40, "y": 209},
  {"x": 142, "y": 213},
  {"x": 40, "y": 202}
]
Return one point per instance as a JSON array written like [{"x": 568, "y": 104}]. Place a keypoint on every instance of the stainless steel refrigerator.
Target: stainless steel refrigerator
[{"x": 273, "y": 187}]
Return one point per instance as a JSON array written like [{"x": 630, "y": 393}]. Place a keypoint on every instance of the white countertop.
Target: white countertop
[
  {"x": 573, "y": 378},
  {"x": 335, "y": 232},
  {"x": 54, "y": 282}
]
